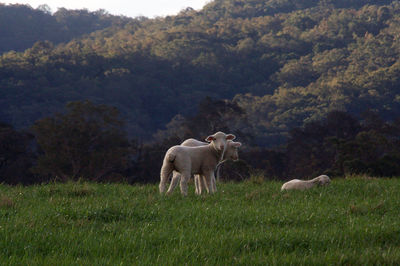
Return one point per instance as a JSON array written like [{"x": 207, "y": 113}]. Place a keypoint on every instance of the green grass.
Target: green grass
[{"x": 352, "y": 221}]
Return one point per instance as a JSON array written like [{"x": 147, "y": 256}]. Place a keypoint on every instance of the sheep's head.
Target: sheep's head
[
  {"x": 219, "y": 140},
  {"x": 323, "y": 180},
  {"x": 231, "y": 152}
]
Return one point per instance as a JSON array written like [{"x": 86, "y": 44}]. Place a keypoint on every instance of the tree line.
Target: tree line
[{"x": 89, "y": 142}]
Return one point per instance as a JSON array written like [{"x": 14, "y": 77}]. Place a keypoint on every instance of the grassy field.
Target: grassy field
[{"x": 352, "y": 221}]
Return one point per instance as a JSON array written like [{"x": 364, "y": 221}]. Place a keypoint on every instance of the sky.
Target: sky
[{"x": 129, "y": 8}]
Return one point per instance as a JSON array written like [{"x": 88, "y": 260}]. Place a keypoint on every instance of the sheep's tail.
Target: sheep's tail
[{"x": 166, "y": 170}]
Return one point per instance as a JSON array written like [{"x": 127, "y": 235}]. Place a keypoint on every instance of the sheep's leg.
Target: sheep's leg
[
  {"x": 214, "y": 184},
  {"x": 185, "y": 176},
  {"x": 203, "y": 182},
  {"x": 197, "y": 183},
  {"x": 166, "y": 171},
  {"x": 210, "y": 181},
  {"x": 174, "y": 181}
]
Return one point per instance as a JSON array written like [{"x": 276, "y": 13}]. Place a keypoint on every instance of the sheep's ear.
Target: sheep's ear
[
  {"x": 210, "y": 138},
  {"x": 230, "y": 137},
  {"x": 236, "y": 144}
]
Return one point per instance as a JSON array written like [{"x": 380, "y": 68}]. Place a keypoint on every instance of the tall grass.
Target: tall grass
[{"x": 352, "y": 221}]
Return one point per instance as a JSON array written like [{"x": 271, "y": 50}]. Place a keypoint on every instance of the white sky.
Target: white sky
[{"x": 129, "y": 8}]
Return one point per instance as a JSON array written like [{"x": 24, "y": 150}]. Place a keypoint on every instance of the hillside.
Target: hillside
[
  {"x": 283, "y": 62},
  {"x": 26, "y": 25},
  {"x": 352, "y": 222}
]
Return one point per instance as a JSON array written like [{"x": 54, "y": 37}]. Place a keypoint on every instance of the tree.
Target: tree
[
  {"x": 88, "y": 141},
  {"x": 212, "y": 116},
  {"x": 319, "y": 146},
  {"x": 44, "y": 8},
  {"x": 15, "y": 157}
]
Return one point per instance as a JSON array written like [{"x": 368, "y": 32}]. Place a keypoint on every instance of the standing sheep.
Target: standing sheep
[
  {"x": 200, "y": 160},
  {"x": 303, "y": 184},
  {"x": 230, "y": 153}
]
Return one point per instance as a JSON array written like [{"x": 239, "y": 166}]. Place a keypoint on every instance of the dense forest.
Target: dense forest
[
  {"x": 25, "y": 25},
  {"x": 264, "y": 70}
]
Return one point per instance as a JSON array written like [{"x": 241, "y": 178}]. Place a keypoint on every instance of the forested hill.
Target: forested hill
[
  {"x": 284, "y": 62},
  {"x": 22, "y": 25}
]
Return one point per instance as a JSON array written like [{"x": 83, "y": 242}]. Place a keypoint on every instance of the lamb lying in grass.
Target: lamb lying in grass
[
  {"x": 230, "y": 153},
  {"x": 306, "y": 184},
  {"x": 200, "y": 160}
]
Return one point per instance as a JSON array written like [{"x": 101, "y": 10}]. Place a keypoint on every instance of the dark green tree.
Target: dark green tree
[
  {"x": 88, "y": 141},
  {"x": 16, "y": 159},
  {"x": 318, "y": 147}
]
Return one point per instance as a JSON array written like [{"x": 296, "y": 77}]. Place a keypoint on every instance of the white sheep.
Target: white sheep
[
  {"x": 200, "y": 160},
  {"x": 230, "y": 153},
  {"x": 306, "y": 184}
]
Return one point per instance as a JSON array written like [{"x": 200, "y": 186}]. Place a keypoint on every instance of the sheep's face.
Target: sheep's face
[
  {"x": 323, "y": 180},
  {"x": 219, "y": 140},
  {"x": 231, "y": 152}
]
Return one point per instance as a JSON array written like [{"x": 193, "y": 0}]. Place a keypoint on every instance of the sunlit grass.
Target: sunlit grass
[{"x": 352, "y": 221}]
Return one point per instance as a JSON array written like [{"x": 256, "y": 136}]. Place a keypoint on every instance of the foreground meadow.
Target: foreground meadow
[{"x": 352, "y": 221}]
